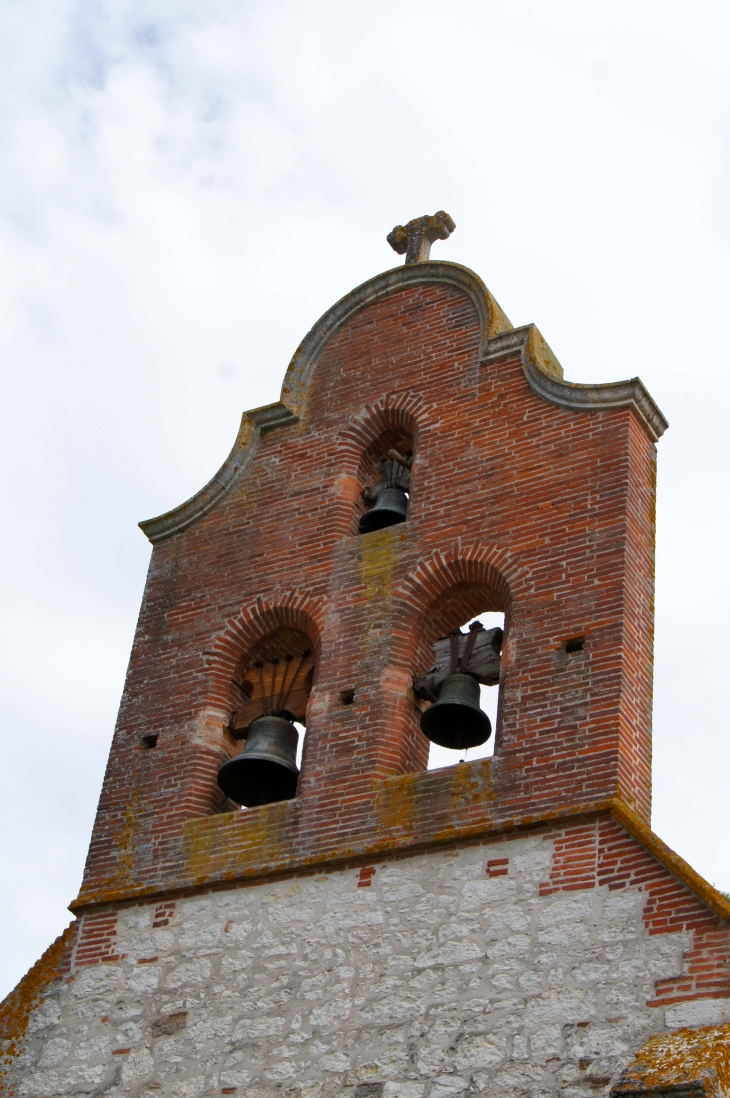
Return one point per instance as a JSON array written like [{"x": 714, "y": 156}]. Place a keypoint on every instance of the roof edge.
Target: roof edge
[{"x": 672, "y": 861}]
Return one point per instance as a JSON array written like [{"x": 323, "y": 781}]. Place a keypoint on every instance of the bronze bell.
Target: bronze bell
[
  {"x": 391, "y": 507},
  {"x": 266, "y": 769},
  {"x": 456, "y": 720},
  {"x": 390, "y": 496}
]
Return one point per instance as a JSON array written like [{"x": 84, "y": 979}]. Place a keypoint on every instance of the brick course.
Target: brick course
[
  {"x": 603, "y": 853},
  {"x": 516, "y": 505}
]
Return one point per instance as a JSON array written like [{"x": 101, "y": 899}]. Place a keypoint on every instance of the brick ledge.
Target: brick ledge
[{"x": 486, "y": 828}]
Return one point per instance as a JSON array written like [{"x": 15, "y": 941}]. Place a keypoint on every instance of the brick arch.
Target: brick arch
[
  {"x": 292, "y": 610},
  {"x": 406, "y": 411},
  {"x": 447, "y": 588}
]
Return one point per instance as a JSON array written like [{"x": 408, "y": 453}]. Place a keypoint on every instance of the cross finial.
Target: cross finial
[{"x": 416, "y": 238}]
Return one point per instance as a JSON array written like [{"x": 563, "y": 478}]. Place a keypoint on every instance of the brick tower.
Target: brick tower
[{"x": 506, "y": 926}]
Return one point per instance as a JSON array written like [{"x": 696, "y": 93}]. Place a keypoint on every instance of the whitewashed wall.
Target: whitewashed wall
[{"x": 435, "y": 981}]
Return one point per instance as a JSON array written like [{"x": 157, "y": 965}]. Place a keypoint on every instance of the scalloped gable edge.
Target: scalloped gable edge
[
  {"x": 254, "y": 424},
  {"x": 492, "y": 319},
  {"x": 290, "y": 408},
  {"x": 544, "y": 375},
  {"x": 498, "y": 340}
]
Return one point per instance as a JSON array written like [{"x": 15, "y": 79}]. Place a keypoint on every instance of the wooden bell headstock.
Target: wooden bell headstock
[{"x": 276, "y": 678}]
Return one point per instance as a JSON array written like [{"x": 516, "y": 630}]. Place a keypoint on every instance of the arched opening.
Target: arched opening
[
  {"x": 457, "y": 670},
  {"x": 439, "y": 756},
  {"x": 273, "y": 682},
  {"x": 385, "y": 475}
]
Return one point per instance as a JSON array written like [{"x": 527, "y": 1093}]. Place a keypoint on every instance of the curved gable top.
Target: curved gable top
[{"x": 499, "y": 340}]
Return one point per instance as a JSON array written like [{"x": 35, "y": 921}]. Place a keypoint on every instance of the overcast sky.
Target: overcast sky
[{"x": 186, "y": 187}]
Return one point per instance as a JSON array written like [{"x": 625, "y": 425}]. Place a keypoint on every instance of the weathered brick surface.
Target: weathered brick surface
[
  {"x": 472, "y": 970},
  {"x": 96, "y": 938},
  {"x": 516, "y": 505}
]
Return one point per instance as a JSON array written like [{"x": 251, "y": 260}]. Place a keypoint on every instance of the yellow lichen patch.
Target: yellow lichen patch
[
  {"x": 16, "y": 1009},
  {"x": 498, "y": 319},
  {"x": 539, "y": 354},
  {"x": 699, "y": 1057},
  {"x": 394, "y": 805},
  {"x": 124, "y": 868},
  {"x": 221, "y": 845},
  {"x": 472, "y": 784},
  {"x": 378, "y": 555}
]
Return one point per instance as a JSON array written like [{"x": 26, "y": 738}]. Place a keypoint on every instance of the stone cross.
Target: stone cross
[{"x": 416, "y": 238}]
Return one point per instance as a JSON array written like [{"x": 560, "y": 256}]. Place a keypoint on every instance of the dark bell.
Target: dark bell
[
  {"x": 391, "y": 507},
  {"x": 456, "y": 719},
  {"x": 266, "y": 770}
]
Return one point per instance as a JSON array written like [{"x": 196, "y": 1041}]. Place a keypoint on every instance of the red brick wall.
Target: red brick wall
[
  {"x": 603, "y": 853},
  {"x": 96, "y": 938},
  {"x": 516, "y": 505}
]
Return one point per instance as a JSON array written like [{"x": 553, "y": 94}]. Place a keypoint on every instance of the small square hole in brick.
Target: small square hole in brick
[
  {"x": 575, "y": 644},
  {"x": 149, "y": 741},
  {"x": 347, "y": 697}
]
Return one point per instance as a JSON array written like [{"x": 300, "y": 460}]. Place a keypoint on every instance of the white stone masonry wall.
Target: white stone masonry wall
[{"x": 434, "y": 982}]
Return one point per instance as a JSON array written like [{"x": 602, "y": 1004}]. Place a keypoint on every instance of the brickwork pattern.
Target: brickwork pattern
[
  {"x": 603, "y": 854},
  {"x": 96, "y": 938},
  {"x": 516, "y": 505},
  {"x": 391, "y": 932}
]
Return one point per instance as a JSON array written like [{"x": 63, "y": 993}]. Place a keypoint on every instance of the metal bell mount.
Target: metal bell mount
[
  {"x": 266, "y": 770},
  {"x": 390, "y": 496},
  {"x": 457, "y": 720}
]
